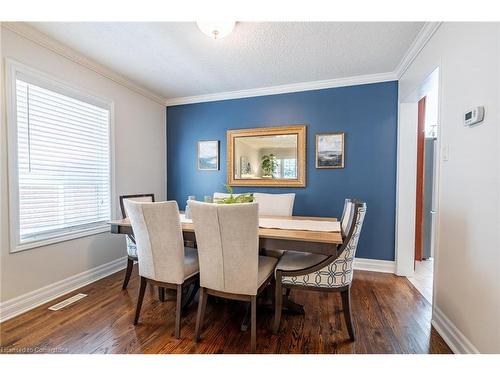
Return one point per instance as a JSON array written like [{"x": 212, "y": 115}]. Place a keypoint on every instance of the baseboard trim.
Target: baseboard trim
[
  {"x": 455, "y": 339},
  {"x": 28, "y": 301},
  {"x": 16, "y": 306},
  {"x": 375, "y": 265}
]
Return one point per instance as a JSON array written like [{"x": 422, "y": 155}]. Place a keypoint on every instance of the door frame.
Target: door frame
[
  {"x": 407, "y": 173},
  {"x": 419, "y": 193}
]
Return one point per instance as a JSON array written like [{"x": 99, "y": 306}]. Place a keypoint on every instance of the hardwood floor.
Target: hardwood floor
[{"x": 390, "y": 316}]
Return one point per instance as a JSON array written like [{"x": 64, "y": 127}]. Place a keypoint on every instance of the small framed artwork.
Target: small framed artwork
[
  {"x": 330, "y": 150},
  {"x": 208, "y": 155}
]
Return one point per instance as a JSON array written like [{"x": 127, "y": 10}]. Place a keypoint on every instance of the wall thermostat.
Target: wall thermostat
[{"x": 473, "y": 116}]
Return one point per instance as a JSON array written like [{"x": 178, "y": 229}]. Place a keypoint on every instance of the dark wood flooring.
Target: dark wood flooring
[{"x": 390, "y": 316}]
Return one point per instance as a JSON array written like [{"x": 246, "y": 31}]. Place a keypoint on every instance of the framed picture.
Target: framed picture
[
  {"x": 208, "y": 155},
  {"x": 330, "y": 150}
]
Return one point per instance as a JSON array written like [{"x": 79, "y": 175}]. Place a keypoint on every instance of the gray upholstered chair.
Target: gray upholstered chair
[
  {"x": 269, "y": 204},
  {"x": 275, "y": 205},
  {"x": 218, "y": 195},
  {"x": 323, "y": 273},
  {"x": 130, "y": 241},
  {"x": 228, "y": 250},
  {"x": 163, "y": 259}
]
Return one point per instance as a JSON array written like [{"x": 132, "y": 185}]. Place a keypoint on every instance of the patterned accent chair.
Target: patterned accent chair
[
  {"x": 346, "y": 214},
  {"x": 163, "y": 259},
  {"x": 228, "y": 249},
  {"x": 323, "y": 273},
  {"x": 130, "y": 240}
]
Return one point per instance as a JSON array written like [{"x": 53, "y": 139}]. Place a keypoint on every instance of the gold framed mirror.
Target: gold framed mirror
[{"x": 274, "y": 156}]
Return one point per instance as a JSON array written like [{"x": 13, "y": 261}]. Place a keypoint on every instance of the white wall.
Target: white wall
[
  {"x": 467, "y": 273},
  {"x": 139, "y": 167}
]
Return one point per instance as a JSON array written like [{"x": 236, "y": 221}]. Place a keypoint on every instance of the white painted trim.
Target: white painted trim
[
  {"x": 38, "y": 37},
  {"x": 28, "y": 301},
  {"x": 375, "y": 265},
  {"x": 418, "y": 44},
  {"x": 283, "y": 89},
  {"x": 13, "y": 68},
  {"x": 406, "y": 185},
  {"x": 455, "y": 339},
  {"x": 45, "y": 41}
]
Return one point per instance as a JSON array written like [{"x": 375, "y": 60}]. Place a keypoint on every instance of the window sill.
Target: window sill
[{"x": 101, "y": 228}]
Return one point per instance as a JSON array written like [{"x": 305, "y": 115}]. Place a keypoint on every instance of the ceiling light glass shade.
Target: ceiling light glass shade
[{"x": 216, "y": 30}]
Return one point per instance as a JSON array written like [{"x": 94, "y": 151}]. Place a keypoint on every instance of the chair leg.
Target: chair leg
[
  {"x": 253, "y": 324},
  {"x": 161, "y": 294},
  {"x": 128, "y": 273},
  {"x": 178, "y": 309},
  {"x": 278, "y": 303},
  {"x": 346, "y": 306},
  {"x": 142, "y": 290},
  {"x": 202, "y": 303}
]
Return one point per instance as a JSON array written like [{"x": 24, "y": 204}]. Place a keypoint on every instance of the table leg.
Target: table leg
[
  {"x": 289, "y": 307},
  {"x": 246, "y": 319}
]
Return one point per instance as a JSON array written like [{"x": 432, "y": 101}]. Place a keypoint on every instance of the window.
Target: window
[
  {"x": 59, "y": 146},
  {"x": 290, "y": 168}
]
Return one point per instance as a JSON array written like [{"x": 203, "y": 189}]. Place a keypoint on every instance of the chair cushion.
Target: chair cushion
[
  {"x": 275, "y": 253},
  {"x": 191, "y": 265},
  {"x": 266, "y": 268},
  {"x": 296, "y": 260}
]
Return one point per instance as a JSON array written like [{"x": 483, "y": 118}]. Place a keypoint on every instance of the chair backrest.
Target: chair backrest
[
  {"x": 346, "y": 215},
  {"x": 227, "y": 236},
  {"x": 158, "y": 235},
  {"x": 335, "y": 272},
  {"x": 275, "y": 204},
  {"x": 342, "y": 267},
  {"x": 136, "y": 198}
]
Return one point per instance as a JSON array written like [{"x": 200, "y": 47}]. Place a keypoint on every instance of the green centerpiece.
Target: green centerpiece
[{"x": 240, "y": 198}]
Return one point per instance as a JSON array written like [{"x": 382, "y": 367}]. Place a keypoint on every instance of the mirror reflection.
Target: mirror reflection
[{"x": 266, "y": 157}]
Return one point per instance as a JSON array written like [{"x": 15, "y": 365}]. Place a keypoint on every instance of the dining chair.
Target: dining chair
[
  {"x": 218, "y": 195},
  {"x": 228, "y": 250},
  {"x": 130, "y": 241},
  {"x": 163, "y": 259},
  {"x": 269, "y": 204},
  {"x": 323, "y": 273},
  {"x": 346, "y": 213},
  {"x": 275, "y": 205}
]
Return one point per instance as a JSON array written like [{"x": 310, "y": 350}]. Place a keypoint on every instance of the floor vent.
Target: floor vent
[{"x": 67, "y": 302}]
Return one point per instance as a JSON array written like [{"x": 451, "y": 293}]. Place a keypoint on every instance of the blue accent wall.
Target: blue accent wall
[{"x": 366, "y": 113}]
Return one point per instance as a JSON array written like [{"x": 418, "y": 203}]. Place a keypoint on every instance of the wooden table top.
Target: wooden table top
[{"x": 273, "y": 233}]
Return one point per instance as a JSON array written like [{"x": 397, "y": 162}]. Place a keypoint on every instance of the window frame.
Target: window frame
[{"x": 14, "y": 69}]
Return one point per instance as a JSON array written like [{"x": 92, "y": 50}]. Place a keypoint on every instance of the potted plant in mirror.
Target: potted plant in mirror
[{"x": 268, "y": 165}]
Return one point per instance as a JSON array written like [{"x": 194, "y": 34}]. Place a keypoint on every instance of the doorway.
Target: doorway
[{"x": 426, "y": 187}]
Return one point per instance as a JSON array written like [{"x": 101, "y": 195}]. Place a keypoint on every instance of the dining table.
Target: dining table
[{"x": 270, "y": 238}]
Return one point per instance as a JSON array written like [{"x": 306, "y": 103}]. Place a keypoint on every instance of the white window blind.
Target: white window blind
[{"x": 63, "y": 163}]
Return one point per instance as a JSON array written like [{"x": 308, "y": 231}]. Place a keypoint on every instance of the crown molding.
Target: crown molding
[
  {"x": 38, "y": 37},
  {"x": 418, "y": 44},
  {"x": 45, "y": 41},
  {"x": 283, "y": 89}
]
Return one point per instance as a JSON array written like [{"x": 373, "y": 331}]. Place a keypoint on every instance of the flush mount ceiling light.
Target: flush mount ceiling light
[{"x": 216, "y": 30}]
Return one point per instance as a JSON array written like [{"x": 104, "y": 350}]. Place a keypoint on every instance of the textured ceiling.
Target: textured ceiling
[{"x": 175, "y": 59}]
